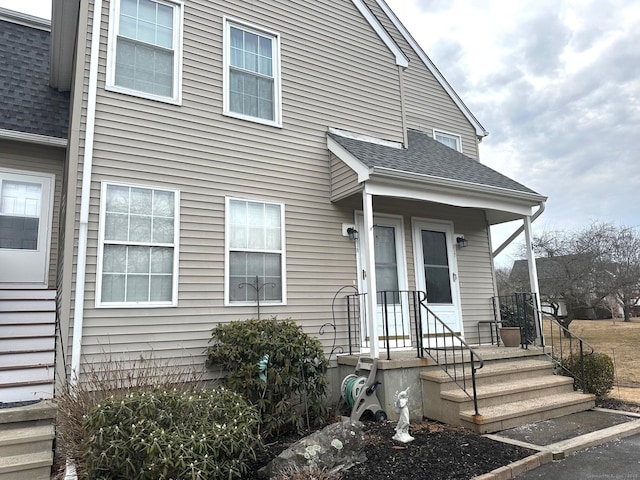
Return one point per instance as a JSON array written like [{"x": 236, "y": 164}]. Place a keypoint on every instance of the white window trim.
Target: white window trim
[
  {"x": 227, "y": 22},
  {"x": 178, "y": 20},
  {"x": 176, "y": 249},
  {"x": 282, "y": 251},
  {"x": 444, "y": 133}
]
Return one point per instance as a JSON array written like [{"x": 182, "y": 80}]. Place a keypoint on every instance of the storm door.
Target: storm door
[
  {"x": 436, "y": 272},
  {"x": 391, "y": 280},
  {"x": 25, "y": 220}
]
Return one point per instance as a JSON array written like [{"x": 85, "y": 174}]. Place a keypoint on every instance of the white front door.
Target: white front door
[
  {"x": 25, "y": 221},
  {"x": 391, "y": 280},
  {"x": 436, "y": 273}
]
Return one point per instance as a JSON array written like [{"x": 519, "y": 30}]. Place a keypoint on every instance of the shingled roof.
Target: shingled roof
[
  {"x": 29, "y": 104},
  {"x": 427, "y": 157}
]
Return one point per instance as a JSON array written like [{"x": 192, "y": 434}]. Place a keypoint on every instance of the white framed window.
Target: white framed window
[
  {"x": 138, "y": 246},
  {"x": 451, "y": 140},
  {"x": 145, "y": 49},
  {"x": 252, "y": 86},
  {"x": 254, "y": 252}
]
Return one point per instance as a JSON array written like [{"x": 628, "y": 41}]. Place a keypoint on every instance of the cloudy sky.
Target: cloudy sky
[{"x": 557, "y": 85}]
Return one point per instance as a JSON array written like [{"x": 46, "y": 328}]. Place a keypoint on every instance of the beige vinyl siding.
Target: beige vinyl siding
[
  {"x": 205, "y": 155},
  {"x": 36, "y": 158},
  {"x": 344, "y": 181},
  {"x": 427, "y": 104}
]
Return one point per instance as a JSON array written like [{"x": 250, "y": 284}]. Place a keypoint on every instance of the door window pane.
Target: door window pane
[
  {"x": 386, "y": 263},
  {"x": 20, "y": 204},
  {"x": 436, "y": 266}
]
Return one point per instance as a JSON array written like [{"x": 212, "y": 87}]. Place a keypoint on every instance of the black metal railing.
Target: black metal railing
[
  {"x": 516, "y": 310},
  {"x": 560, "y": 344},
  {"x": 397, "y": 311},
  {"x": 407, "y": 321}
]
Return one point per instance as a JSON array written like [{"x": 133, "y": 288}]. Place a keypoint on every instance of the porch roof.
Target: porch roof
[{"x": 428, "y": 170}]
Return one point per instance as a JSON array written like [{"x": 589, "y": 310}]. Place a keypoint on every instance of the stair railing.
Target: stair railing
[
  {"x": 560, "y": 343},
  {"x": 448, "y": 349}
]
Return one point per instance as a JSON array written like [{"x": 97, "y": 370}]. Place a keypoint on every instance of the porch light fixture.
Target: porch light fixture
[
  {"x": 461, "y": 242},
  {"x": 353, "y": 233}
]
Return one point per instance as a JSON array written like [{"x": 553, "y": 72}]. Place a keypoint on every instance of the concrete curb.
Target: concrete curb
[
  {"x": 558, "y": 450},
  {"x": 518, "y": 468}
]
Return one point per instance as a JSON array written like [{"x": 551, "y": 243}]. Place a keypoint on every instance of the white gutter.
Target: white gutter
[
  {"x": 78, "y": 306},
  {"x": 515, "y": 234}
]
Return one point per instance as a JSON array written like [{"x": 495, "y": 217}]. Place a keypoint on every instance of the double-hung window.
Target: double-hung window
[
  {"x": 145, "y": 45},
  {"x": 255, "y": 263},
  {"x": 251, "y": 74},
  {"x": 449, "y": 139},
  {"x": 138, "y": 250}
]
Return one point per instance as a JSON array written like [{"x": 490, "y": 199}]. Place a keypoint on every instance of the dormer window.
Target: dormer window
[
  {"x": 449, "y": 139},
  {"x": 251, "y": 74}
]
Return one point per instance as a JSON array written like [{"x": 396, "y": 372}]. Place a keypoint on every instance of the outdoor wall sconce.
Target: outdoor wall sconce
[
  {"x": 461, "y": 242},
  {"x": 353, "y": 233}
]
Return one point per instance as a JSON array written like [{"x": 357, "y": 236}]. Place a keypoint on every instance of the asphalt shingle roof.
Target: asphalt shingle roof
[
  {"x": 27, "y": 103},
  {"x": 426, "y": 156}
]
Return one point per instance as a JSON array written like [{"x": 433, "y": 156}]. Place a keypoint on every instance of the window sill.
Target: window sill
[
  {"x": 269, "y": 123},
  {"x": 147, "y": 96}
]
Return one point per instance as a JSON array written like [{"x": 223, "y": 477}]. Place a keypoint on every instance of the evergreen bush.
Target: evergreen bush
[
  {"x": 277, "y": 367},
  {"x": 598, "y": 372},
  {"x": 171, "y": 434}
]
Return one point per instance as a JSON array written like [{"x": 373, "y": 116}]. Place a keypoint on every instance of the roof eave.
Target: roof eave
[{"x": 64, "y": 27}]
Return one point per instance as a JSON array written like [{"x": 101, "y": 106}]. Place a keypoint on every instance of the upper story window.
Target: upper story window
[
  {"x": 449, "y": 139},
  {"x": 145, "y": 49},
  {"x": 138, "y": 248},
  {"x": 251, "y": 74},
  {"x": 254, "y": 237}
]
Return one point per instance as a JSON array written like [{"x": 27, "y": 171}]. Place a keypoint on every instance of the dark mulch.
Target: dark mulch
[
  {"x": 615, "y": 404},
  {"x": 438, "y": 452},
  {"x": 17, "y": 404}
]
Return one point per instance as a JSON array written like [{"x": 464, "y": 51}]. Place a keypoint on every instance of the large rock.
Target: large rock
[{"x": 336, "y": 447}]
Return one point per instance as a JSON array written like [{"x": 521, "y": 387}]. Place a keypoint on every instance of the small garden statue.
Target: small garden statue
[{"x": 402, "y": 407}]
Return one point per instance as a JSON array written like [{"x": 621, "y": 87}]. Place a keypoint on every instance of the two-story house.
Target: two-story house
[{"x": 225, "y": 156}]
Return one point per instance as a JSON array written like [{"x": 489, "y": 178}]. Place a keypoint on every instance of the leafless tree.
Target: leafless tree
[{"x": 623, "y": 267}]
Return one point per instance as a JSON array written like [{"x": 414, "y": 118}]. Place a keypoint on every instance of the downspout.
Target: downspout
[
  {"x": 403, "y": 113},
  {"x": 83, "y": 229},
  {"x": 515, "y": 234}
]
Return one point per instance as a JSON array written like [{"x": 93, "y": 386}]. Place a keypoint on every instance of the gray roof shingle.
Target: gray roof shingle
[
  {"x": 426, "y": 156},
  {"x": 28, "y": 103}
]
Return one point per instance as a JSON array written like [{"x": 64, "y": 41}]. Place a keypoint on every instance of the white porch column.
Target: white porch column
[
  {"x": 533, "y": 271},
  {"x": 370, "y": 269}
]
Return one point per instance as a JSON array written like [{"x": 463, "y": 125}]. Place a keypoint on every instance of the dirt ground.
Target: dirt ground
[{"x": 438, "y": 452}]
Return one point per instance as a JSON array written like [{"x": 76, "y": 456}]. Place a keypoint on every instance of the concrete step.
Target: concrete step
[
  {"x": 514, "y": 414},
  {"x": 27, "y": 466},
  {"x": 515, "y": 390},
  {"x": 19, "y": 417},
  {"x": 31, "y": 439},
  {"x": 490, "y": 373}
]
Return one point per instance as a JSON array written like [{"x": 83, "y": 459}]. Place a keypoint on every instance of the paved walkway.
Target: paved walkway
[{"x": 597, "y": 444}]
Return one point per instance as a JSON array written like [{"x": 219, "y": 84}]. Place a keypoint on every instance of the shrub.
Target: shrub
[
  {"x": 201, "y": 434},
  {"x": 295, "y": 381},
  {"x": 598, "y": 372},
  {"x": 109, "y": 377}
]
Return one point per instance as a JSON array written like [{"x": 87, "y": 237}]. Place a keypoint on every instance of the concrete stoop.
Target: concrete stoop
[
  {"x": 26, "y": 442},
  {"x": 510, "y": 392}
]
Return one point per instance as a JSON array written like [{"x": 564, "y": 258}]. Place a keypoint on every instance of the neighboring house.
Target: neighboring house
[
  {"x": 33, "y": 141},
  {"x": 213, "y": 142}
]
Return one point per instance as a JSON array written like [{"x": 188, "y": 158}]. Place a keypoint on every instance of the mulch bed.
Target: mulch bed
[{"x": 438, "y": 452}]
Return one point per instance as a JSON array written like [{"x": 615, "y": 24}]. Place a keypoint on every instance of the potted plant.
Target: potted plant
[{"x": 510, "y": 332}]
